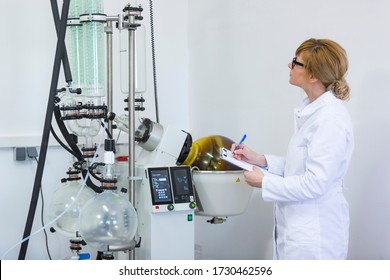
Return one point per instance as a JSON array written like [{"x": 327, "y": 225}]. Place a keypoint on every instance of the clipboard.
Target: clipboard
[{"x": 227, "y": 155}]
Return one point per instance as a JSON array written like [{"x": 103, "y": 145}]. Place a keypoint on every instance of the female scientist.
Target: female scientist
[{"x": 311, "y": 213}]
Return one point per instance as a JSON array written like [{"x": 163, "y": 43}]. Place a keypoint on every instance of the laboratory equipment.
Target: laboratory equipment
[
  {"x": 83, "y": 112},
  {"x": 161, "y": 145},
  {"x": 220, "y": 186},
  {"x": 93, "y": 20},
  {"x": 151, "y": 211},
  {"x": 204, "y": 154},
  {"x": 108, "y": 221},
  {"x": 221, "y": 194},
  {"x": 74, "y": 43},
  {"x": 165, "y": 205},
  {"x": 219, "y": 191},
  {"x": 66, "y": 204},
  {"x": 165, "y": 197}
]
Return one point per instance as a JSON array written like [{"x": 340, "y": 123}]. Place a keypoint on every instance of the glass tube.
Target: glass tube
[
  {"x": 93, "y": 44},
  {"x": 140, "y": 60},
  {"x": 75, "y": 8},
  {"x": 92, "y": 6},
  {"x": 74, "y": 43}
]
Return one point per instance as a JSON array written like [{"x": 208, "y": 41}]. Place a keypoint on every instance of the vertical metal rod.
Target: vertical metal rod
[
  {"x": 131, "y": 103},
  {"x": 109, "y": 73}
]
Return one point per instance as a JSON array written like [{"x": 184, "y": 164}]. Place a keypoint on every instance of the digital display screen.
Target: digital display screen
[
  {"x": 160, "y": 185},
  {"x": 182, "y": 184}
]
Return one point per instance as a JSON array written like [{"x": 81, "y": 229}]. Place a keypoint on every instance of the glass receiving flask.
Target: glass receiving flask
[
  {"x": 70, "y": 198},
  {"x": 108, "y": 221}
]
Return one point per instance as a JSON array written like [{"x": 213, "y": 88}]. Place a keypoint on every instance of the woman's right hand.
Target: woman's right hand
[{"x": 248, "y": 155}]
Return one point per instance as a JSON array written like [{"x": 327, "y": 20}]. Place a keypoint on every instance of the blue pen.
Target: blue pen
[{"x": 242, "y": 141}]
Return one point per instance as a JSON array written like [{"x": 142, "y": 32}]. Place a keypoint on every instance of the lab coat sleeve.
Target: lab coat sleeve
[
  {"x": 275, "y": 164},
  {"x": 325, "y": 165}
]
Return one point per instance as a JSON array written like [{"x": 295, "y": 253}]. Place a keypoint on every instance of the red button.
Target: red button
[{"x": 157, "y": 207}]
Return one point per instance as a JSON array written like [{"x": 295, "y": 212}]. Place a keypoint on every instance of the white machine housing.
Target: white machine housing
[
  {"x": 163, "y": 146},
  {"x": 221, "y": 193},
  {"x": 166, "y": 211},
  {"x": 165, "y": 200}
]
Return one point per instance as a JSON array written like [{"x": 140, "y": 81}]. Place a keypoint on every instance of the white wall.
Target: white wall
[
  {"x": 222, "y": 69},
  {"x": 239, "y": 51}
]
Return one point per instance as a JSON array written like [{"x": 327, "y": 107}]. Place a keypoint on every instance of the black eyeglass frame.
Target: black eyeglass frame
[{"x": 295, "y": 62}]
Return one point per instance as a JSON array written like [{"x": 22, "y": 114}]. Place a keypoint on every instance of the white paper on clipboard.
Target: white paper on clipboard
[{"x": 228, "y": 156}]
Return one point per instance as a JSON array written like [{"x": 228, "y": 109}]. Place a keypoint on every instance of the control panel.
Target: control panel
[{"x": 171, "y": 188}]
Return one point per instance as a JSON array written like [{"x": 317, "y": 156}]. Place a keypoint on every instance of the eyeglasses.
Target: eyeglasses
[{"x": 295, "y": 62}]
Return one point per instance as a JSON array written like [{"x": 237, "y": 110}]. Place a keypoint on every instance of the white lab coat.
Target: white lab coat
[{"x": 311, "y": 212}]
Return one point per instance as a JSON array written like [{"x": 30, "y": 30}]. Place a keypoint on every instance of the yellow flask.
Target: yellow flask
[{"x": 204, "y": 154}]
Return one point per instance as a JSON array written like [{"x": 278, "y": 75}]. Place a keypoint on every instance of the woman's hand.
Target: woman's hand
[
  {"x": 246, "y": 154},
  {"x": 254, "y": 178}
]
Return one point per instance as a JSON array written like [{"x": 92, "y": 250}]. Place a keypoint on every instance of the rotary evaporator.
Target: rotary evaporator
[{"x": 143, "y": 202}]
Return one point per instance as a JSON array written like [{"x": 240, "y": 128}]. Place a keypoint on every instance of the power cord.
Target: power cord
[
  {"x": 32, "y": 153},
  {"x": 152, "y": 39}
]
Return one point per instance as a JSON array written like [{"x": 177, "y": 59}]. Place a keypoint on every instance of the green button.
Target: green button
[
  {"x": 170, "y": 207},
  {"x": 189, "y": 217}
]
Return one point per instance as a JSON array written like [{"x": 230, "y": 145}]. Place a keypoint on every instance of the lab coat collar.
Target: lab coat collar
[{"x": 308, "y": 108}]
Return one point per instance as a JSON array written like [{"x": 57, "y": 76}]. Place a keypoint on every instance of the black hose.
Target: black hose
[
  {"x": 68, "y": 138},
  {"x": 62, "y": 144},
  {"x": 65, "y": 60},
  {"x": 89, "y": 182},
  {"x": 46, "y": 129}
]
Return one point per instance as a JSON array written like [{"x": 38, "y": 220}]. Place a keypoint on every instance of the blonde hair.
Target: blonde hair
[{"x": 327, "y": 61}]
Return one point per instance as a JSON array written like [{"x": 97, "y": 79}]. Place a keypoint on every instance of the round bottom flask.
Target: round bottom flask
[
  {"x": 67, "y": 197},
  {"x": 108, "y": 221},
  {"x": 205, "y": 154}
]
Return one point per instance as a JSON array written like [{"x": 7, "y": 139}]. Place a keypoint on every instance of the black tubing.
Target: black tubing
[
  {"x": 46, "y": 129},
  {"x": 65, "y": 60}
]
